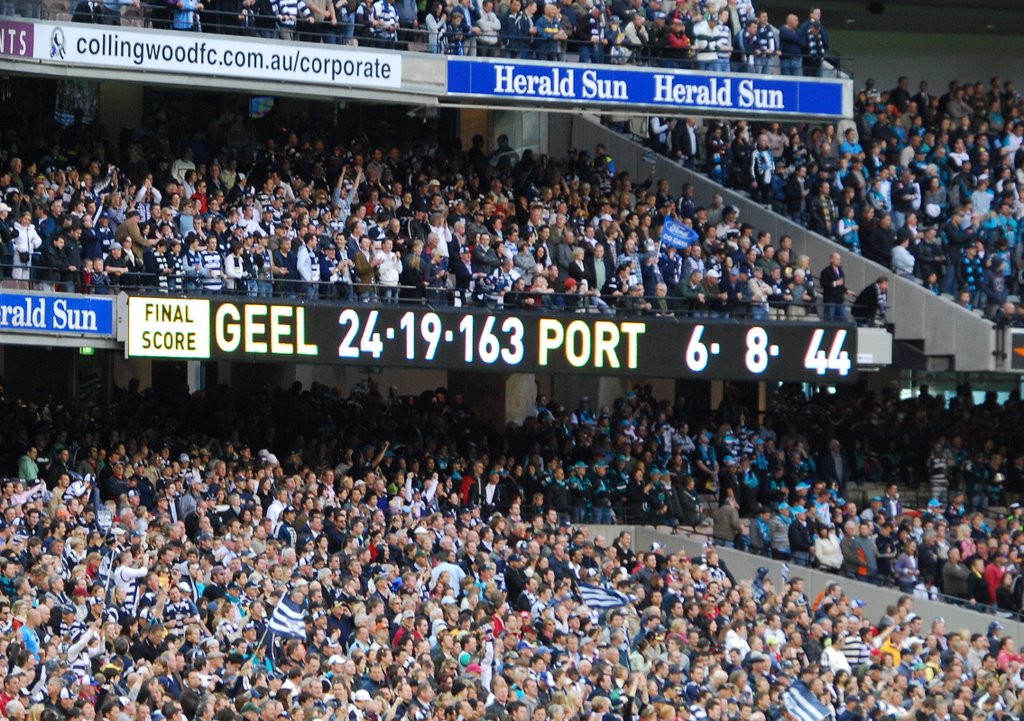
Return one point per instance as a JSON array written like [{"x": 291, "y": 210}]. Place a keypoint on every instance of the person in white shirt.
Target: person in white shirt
[
  {"x": 902, "y": 259},
  {"x": 388, "y": 271},
  {"x": 308, "y": 267},
  {"x": 490, "y": 28}
]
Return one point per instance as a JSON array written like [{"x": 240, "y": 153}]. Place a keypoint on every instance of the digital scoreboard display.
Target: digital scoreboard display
[{"x": 475, "y": 339}]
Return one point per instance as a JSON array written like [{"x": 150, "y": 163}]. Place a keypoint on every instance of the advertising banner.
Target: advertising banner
[
  {"x": 57, "y": 314},
  {"x": 608, "y": 85},
  {"x": 475, "y": 339},
  {"x": 16, "y": 39},
  {"x": 215, "y": 55}
]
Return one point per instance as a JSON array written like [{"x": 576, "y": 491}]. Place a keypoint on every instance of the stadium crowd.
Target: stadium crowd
[
  {"x": 347, "y": 221},
  {"x": 925, "y": 184},
  {"x": 432, "y": 566},
  {"x": 708, "y": 35}
]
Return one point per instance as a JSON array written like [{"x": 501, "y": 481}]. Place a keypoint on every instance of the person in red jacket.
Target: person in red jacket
[{"x": 994, "y": 572}]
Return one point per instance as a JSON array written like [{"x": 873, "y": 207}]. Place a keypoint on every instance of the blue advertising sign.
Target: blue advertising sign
[
  {"x": 678, "y": 235},
  {"x": 604, "y": 85},
  {"x": 57, "y": 314}
]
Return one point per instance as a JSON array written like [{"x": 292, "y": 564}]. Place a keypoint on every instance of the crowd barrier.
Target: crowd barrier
[{"x": 330, "y": 292}]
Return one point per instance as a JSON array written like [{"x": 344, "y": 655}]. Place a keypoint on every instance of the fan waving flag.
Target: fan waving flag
[
  {"x": 288, "y": 619},
  {"x": 286, "y": 622},
  {"x": 800, "y": 702},
  {"x": 602, "y": 596},
  {"x": 678, "y": 235}
]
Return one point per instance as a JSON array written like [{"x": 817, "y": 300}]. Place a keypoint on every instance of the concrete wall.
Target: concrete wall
[
  {"x": 744, "y": 567},
  {"x": 937, "y": 58}
]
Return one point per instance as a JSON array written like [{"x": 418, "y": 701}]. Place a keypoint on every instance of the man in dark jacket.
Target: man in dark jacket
[
  {"x": 800, "y": 536},
  {"x": 833, "y": 289},
  {"x": 57, "y": 270},
  {"x": 871, "y": 303}
]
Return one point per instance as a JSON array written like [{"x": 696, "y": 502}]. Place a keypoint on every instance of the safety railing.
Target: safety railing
[
  {"x": 428, "y": 33},
  {"x": 483, "y": 296}
]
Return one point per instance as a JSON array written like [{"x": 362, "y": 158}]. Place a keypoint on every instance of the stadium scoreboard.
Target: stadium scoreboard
[{"x": 475, "y": 339}]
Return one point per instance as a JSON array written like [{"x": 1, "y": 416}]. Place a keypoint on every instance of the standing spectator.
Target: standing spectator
[
  {"x": 907, "y": 571},
  {"x": 590, "y": 35},
  {"x": 54, "y": 267},
  {"x": 490, "y": 30},
  {"x": 994, "y": 288},
  {"x": 707, "y": 42},
  {"x": 801, "y": 538},
  {"x": 307, "y": 266},
  {"x": 549, "y": 34},
  {"x": 389, "y": 270},
  {"x": 26, "y": 243},
  {"x": 767, "y": 47},
  {"x": 970, "y": 275},
  {"x": 518, "y": 30},
  {"x": 902, "y": 259},
  {"x": 814, "y": 51},
  {"x": 637, "y": 39},
  {"x": 796, "y": 194},
  {"x": 833, "y": 289},
  {"x": 822, "y": 211},
  {"x": 849, "y": 231},
  {"x": 728, "y": 530},
  {"x": 762, "y": 170},
  {"x": 791, "y": 47},
  {"x": 827, "y": 552},
  {"x": 286, "y": 13},
  {"x": 955, "y": 576},
  {"x": 436, "y": 22},
  {"x": 384, "y": 21},
  {"x": 409, "y": 24}
]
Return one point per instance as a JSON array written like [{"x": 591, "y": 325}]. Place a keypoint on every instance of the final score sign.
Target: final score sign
[{"x": 457, "y": 339}]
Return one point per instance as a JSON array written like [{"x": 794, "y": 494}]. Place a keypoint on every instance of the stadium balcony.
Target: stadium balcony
[{"x": 430, "y": 34}]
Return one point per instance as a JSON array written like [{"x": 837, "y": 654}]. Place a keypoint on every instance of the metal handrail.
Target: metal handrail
[{"x": 191, "y": 286}]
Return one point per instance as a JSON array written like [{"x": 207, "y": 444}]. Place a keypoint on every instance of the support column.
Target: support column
[
  {"x": 520, "y": 396},
  {"x": 717, "y": 394},
  {"x": 194, "y": 376}
]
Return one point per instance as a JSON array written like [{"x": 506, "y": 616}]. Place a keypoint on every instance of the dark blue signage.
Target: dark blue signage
[
  {"x": 57, "y": 314},
  {"x": 676, "y": 89}
]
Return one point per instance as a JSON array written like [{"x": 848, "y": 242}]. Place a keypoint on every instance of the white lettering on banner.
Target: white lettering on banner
[
  {"x": 558, "y": 83},
  {"x": 597, "y": 88},
  {"x": 47, "y": 315},
  {"x": 217, "y": 56},
  {"x": 717, "y": 93},
  {"x": 575, "y": 84}
]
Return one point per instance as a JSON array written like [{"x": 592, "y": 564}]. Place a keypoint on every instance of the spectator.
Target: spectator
[
  {"x": 872, "y": 302},
  {"x": 902, "y": 259},
  {"x": 791, "y": 47},
  {"x": 833, "y": 288}
]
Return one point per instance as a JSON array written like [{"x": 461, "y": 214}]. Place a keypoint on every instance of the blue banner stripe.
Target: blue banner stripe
[
  {"x": 610, "y": 85},
  {"x": 57, "y": 314}
]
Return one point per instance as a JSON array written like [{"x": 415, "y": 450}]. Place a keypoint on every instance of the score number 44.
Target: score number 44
[
  {"x": 759, "y": 352},
  {"x": 836, "y": 359}
]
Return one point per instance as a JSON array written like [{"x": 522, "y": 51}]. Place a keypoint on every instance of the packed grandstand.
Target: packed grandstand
[
  {"x": 327, "y": 554},
  {"x": 299, "y": 216},
  {"x": 372, "y": 555}
]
